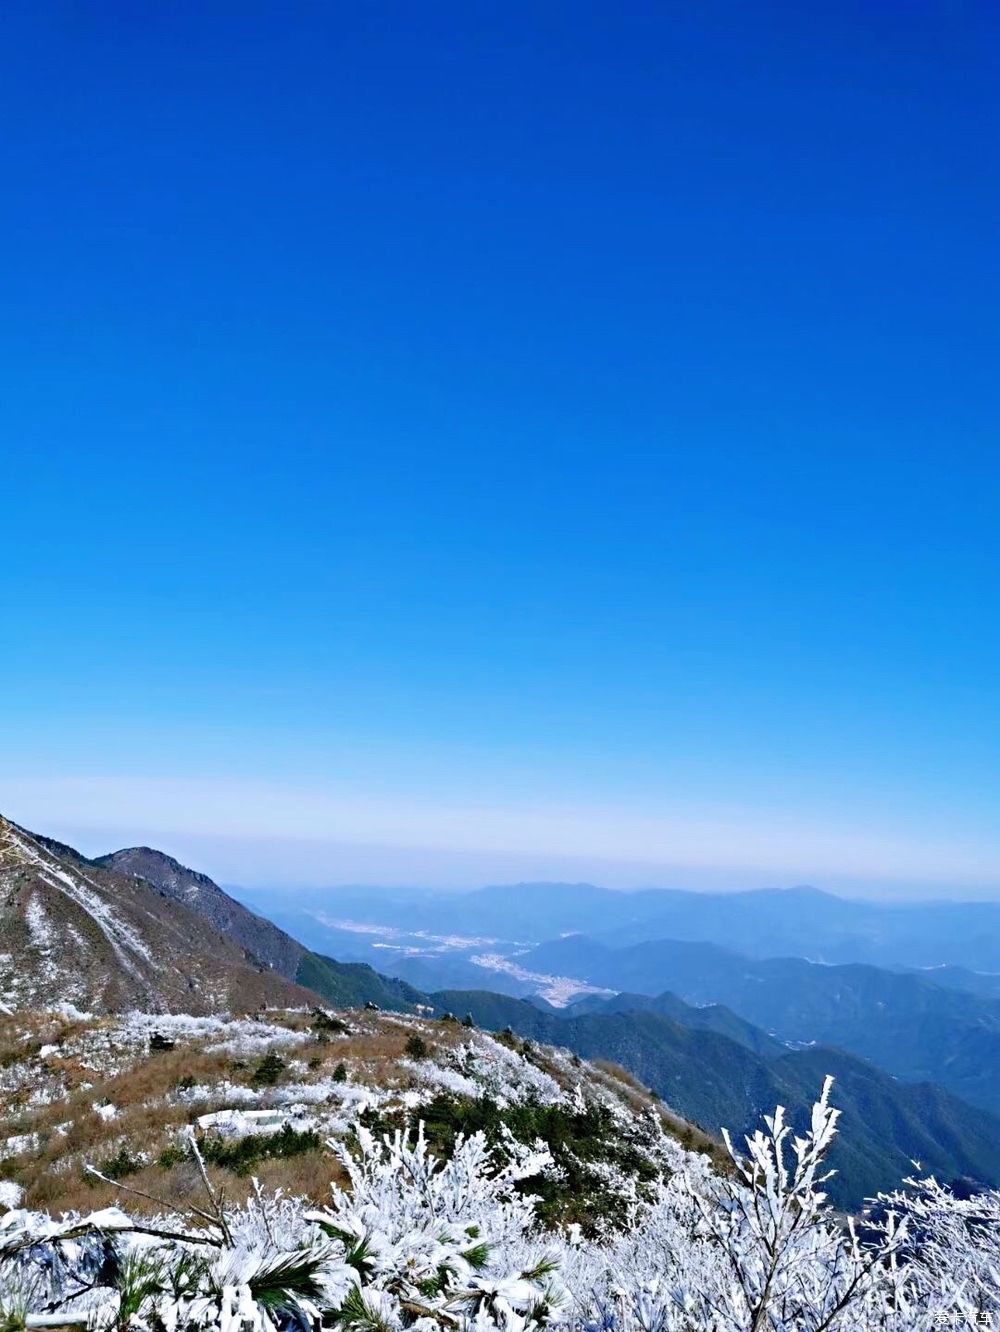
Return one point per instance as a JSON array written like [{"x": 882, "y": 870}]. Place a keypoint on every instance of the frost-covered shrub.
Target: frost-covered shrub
[
  {"x": 420, "y": 1242},
  {"x": 442, "y": 1240},
  {"x": 951, "y": 1253},
  {"x": 601, "y": 1162},
  {"x": 327, "y": 1024}
]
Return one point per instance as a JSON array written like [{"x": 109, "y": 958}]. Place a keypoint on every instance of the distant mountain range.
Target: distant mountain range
[
  {"x": 940, "y": 1023},
  {"x": 685, "y": 1055},
  {"x": 903, "y": 1022},
  {"x": 794, "y": 922}
]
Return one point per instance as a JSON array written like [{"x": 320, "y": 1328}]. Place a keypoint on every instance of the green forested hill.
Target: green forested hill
[
  {"x": 717, "y": 1082},
  {"x": 901, "y": 1021},
  {"x": 350, "y": 984}
]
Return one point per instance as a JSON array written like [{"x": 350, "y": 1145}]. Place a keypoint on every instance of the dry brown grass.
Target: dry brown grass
[
  {"x": 619, "y": 1074},
  {"x": 56, "y": 1178},
  {"x": 150, "y": 1118},
  {"x": 162, "y": 1073},
  {"x": 309, "y": 1175},
  {"x": 20, "y": 1029},
  {"x": 372, "y": 1057},
  {"x": 180, "y": 1187}
]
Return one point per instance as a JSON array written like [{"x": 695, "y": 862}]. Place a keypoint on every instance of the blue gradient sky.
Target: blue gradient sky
[{"x": 457, "y": 442}]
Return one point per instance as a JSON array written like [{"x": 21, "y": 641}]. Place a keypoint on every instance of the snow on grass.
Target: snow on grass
[
  {"x": 507, "y": 1075},
  {"x": 19, "y": 1143},
  {"x": 316, "y": 1093},
  {"x": 435, "y": 1077},
  {"x": 38, "y": 924},
  {"x": 238, "y": 1036},
  {"x": 229, "y": 1093},
  {"x": 10, "y": 1194},
  {"x": 256, "y": 1038}
]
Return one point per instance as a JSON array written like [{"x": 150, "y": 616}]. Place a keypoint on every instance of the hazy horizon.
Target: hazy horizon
[{"x": 267, "y": 865}]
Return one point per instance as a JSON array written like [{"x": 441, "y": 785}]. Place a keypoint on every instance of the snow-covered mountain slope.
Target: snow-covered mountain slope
[
  {"x": 513, "y": 1189},
  {"x": 266, "y": 947},
  {"x": 74, "y": 933},
  {"x": 269, "y": 945},
  {"x": 265, "y": 1094}
]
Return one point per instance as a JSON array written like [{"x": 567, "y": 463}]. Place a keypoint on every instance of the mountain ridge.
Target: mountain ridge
[
  {"x": 899, "y": 1020},
  {"x": 713, "y": 1080},
  {"x": 266, "y": 941},
  {"x": 343, "y": 983},
  {"x": 100, "y": 935},
  {"x": 72, "y": 932}
]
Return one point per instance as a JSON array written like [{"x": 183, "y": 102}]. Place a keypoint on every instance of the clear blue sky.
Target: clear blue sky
[{"x": 451, "y": 442}]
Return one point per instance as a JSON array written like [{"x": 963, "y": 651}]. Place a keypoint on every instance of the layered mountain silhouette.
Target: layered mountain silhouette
[
  {"x": 790, "y": 922},
  {"x": 901, "y": 1021}
]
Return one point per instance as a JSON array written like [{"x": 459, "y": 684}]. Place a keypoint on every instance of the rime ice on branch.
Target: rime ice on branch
[{"x": 414, "y": 1242}]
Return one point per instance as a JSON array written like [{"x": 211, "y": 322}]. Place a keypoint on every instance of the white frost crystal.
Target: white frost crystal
[{"x": 426, "y": 1245}]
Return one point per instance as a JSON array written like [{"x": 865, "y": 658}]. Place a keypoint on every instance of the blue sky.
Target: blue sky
[{"x": 458, "y": 442}]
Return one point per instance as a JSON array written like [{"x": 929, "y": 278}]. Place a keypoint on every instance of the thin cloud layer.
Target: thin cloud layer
[{"x": 252, "y": 830}]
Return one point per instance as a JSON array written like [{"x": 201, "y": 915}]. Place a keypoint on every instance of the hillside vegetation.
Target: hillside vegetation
[
  {"x": 519, "y": 1190},
  {"x": 903, "y": 1022},
  {"x": 264, "y": 1094},
  {"x": 716, "y": 1081}
]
